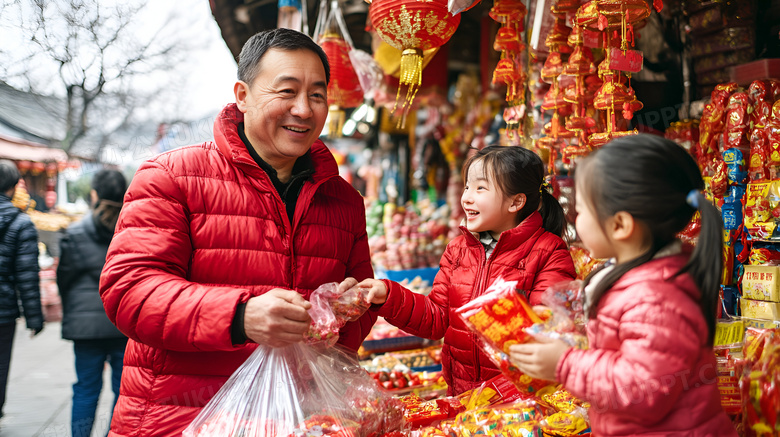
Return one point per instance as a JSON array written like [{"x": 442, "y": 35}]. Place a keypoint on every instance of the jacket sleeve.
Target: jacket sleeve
[
  {"x": 27, "y": 275},
  {"x": 558, "y": 268},
  {"x": 641, "y": 380},
  {"x": 359, "y": 267},
  {"x": 144, "y": 287},
  {"x": 67, "y": 269},
  {"x": 423, "y": 316}
]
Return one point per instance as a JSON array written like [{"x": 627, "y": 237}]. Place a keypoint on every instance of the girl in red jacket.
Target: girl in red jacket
[
  {"x": 650, "y": 369},
  {"x": 513, "y": 231}
]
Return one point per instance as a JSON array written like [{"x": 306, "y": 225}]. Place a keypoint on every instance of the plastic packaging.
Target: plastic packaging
[
  {"x": 298, "y": 390},
  {"x": 331, "y": 310},
  {"x": 567, "y": 322}
]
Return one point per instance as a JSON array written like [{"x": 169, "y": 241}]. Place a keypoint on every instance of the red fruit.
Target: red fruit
[
  {"x": 388, "y": 385},
  {"x": 401, "y": 383}
]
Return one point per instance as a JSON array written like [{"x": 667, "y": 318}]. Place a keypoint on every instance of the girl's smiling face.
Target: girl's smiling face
[{"x": 487, "y": 208}]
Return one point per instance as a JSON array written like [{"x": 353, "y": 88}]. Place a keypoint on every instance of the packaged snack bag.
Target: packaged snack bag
[
  {"x": 331, "y": 310},
  {"x": 499, "y": 319}
]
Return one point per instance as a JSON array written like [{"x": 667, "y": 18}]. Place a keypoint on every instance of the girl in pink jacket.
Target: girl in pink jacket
[{"x": 650, "y": 369}]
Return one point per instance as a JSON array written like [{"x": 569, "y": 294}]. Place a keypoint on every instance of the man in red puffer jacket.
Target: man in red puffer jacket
[{"x": 219, "y": 245}]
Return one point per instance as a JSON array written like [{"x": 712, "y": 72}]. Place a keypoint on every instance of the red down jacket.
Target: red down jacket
[
  {"x": 202, "y": 230},
  {"x": 649, "y": 370},
  {"x": 528, "y": 254}
]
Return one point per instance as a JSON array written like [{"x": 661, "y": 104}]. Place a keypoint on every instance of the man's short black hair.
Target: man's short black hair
[
  {"x": 9, "y": 175},
  {"x": 282, "y": 39}
]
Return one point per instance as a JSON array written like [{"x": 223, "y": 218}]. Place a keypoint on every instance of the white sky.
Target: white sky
[
  {"x": 213, "y": 69},
  {"x": 202, "y": 86}
]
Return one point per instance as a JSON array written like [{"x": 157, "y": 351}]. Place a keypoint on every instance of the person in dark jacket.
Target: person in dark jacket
[
  {"x": 95, "y": 339},
  {"x": 18, "y": 271}
]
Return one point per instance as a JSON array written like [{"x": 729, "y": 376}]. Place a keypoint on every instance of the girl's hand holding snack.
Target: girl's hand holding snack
[
  {"x": 538, "y": 360},
  {"x": 377, "y": 291}
]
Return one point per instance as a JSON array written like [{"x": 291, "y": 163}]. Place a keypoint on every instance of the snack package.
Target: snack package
[
  {"x": 583, "y": 262},
  {"x": 499, "y": 318},
  {"x": 298, "y": 390},
  {"x": 331, "y": 310},
  {"x": 759, "y": 382},
  {"x": 761, "y": 209},
  {"x": 567, "y": 322}
]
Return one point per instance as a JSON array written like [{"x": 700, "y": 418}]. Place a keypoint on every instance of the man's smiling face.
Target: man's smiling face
[{"x": 286, "y": 105}]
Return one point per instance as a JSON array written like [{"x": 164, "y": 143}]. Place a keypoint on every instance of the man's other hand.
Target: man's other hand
[{"x": 277, "y": 318}]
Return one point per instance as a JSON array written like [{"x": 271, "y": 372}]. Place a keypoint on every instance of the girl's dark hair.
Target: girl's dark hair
[
  {"x": 650, "y": 178},
  {"x": 517, "y": 170},
  {"x": 110, "y": 186}
]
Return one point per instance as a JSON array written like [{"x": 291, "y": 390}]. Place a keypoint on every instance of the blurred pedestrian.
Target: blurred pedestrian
[
  {"x": 18, "y": 271},
  {"x": 96, "y": 340}
]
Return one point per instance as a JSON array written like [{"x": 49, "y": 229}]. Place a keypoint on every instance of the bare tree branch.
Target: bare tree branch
[{"x": 95, "y": 53}]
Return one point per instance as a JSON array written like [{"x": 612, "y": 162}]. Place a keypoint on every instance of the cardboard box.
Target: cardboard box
[
  {"x": 758, "y": 309},
  {"x": 761, "y": 283},
  {"x": 761, "y": 324}
]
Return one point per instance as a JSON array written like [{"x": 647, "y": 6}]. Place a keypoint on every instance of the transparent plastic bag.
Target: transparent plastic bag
[
  {"x": 331, "y": 310},
  {"x": 567, "y": 319},
  {"x": 298, "y": 390}
]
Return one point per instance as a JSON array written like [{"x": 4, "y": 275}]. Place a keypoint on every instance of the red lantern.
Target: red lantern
[
  {"x": 24, "y": 166},
  {"x": 51, "y": 169},
  {"x": 412, "y": 27},
  {"x": 344, "y": 87},
  {"x": 37, "y": 168}
]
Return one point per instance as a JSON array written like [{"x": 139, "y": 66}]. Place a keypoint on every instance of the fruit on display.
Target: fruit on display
[
  {"x": 406, "y": 237},
  {"x": 396, "y": 379}
]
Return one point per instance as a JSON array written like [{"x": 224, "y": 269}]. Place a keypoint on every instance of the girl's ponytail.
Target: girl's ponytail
[
  {"x": 706, "y": 262},
  {"x": 659, "y": 184},
  {"x": 553, "y": 218}
]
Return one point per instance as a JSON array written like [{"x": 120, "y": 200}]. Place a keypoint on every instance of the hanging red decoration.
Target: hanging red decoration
[
  {"x": 37, "y": 168},
  {"x": 412, "y": 27},
  {"x": 507, "y": 73},
  {"x": 24, "y": 166},
  {"x": 344, "y": 87},
  {"x": 51, "y": 169}
]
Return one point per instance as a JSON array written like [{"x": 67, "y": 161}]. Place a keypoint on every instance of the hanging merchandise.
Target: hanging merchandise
[
  {"x": 412, "y": 27},
  {"x": 511, "y": 14},
  {"x": 617, "y": 19},
  {"x": 291, "y": 17},
  {"x": 579, "y": 66},
  {"x": 557, "y": 135},
  {"x": 344, "y": 90}
]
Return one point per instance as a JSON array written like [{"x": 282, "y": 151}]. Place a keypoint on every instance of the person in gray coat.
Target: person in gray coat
[
  {"x": 19, "y": 279},
  {"x": 95, "y": 339}
]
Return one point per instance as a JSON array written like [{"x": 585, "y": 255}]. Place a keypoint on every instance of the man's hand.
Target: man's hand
[
  {"x": 277, "y": 318},
  {"x": 377, "y": 292},
  {"x": 538, "y": 360}
]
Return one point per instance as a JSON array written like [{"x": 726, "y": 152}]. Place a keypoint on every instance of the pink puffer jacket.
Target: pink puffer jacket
[{"x": 649, "y": 370}]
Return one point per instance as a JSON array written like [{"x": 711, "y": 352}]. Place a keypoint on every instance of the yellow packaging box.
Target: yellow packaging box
[
  {"x": 761, "y": 283},
  {"x": 759, "y": 309},
  {"x": 761, "y": 324}
]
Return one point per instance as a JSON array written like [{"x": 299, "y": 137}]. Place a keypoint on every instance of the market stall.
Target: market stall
[{"x": 412, "y": 98}]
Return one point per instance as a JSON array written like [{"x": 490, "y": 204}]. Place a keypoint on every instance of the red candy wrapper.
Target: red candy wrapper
[
  {"x": 499, "y": 319},
  {"x": 759, "y": 383},
  {"x": 499, "y": 315}
]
